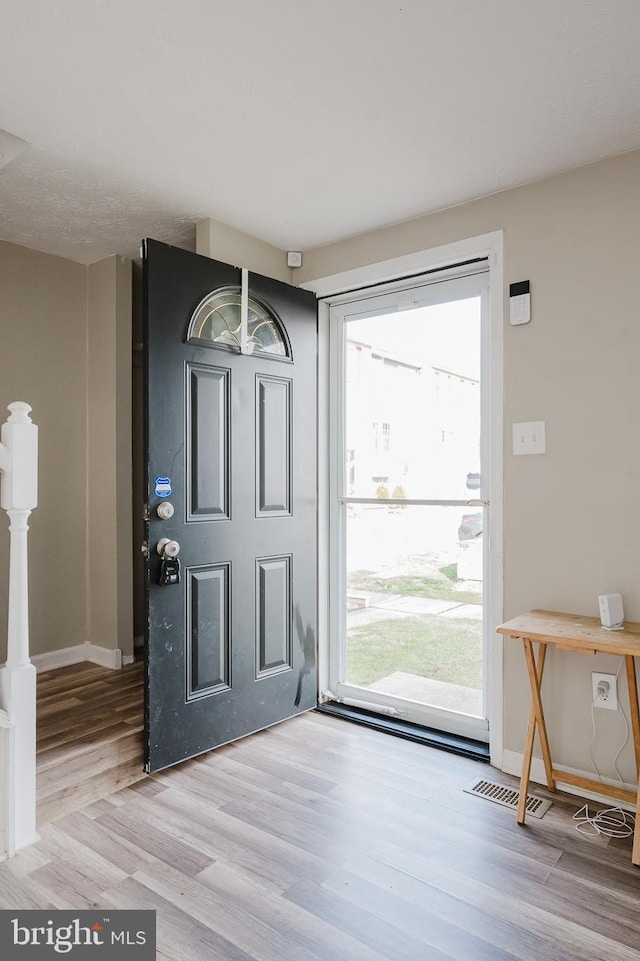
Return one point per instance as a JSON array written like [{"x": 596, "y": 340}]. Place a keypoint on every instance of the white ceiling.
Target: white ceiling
[{"x": 298, "y": 121}]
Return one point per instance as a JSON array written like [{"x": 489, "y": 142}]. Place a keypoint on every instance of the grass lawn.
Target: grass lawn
[
  {"x": 442, "y": 589},
  {"x": 441, "y": 648}
]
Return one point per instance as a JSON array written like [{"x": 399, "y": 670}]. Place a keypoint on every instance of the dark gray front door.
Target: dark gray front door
[{"x": 231, "y": 445}]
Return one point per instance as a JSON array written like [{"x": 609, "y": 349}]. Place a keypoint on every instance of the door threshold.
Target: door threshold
[{"x": 452, "y": 743}]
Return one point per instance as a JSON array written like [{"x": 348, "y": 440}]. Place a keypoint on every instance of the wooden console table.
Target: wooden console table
[{"x": 572, "y": 632}]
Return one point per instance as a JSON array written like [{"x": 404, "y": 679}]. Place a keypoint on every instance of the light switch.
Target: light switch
[{"x": 529, "y": 438}]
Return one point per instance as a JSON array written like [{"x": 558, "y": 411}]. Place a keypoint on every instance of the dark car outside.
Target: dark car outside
[{"x": 470, "y": 526}]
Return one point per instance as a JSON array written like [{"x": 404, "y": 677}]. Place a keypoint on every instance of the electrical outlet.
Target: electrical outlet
[{"x": 605, "y": 691}]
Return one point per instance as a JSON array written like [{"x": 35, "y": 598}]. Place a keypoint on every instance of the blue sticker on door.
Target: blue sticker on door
[{"x": 162, "y": 487}]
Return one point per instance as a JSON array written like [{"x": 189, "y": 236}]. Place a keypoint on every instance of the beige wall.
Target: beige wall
[
  {"x": 571, "y": 524},
  {"x": 109, "y": 454},
  {"x": 231, "y": 246},
  {"x": 66, "y": 350},
  {"x": 43, "y": 313}
]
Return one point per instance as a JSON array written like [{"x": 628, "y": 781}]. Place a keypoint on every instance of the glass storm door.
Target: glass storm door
[
  {"x": 231, "y": 445},
  {"x": 410, "y": 503}
]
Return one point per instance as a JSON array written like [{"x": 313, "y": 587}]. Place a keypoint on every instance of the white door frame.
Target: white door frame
[{"x": 490, "y": 246}]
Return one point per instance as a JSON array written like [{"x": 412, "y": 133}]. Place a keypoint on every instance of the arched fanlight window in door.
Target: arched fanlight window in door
[{"x": 217, "y": 322}]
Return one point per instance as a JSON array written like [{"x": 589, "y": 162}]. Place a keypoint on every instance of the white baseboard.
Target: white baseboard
[
  {"x": 512, "y": 764},
  {"x": 128, "y": 659},
  {"x": 61, "y": 658},
  {"x": 103, "y": 656}
]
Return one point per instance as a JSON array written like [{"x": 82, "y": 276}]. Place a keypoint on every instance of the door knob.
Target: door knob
[
  {"x": 167, "y": 548},
  {"x": 169, "y": 572}
]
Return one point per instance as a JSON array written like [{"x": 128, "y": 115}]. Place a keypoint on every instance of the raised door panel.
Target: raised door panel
[
  {"x": 208, "y": 442},
  {"x": 208, "y": 630},
  {"x": 273, "y": 616},
  {"x": 273, "y": 446}
]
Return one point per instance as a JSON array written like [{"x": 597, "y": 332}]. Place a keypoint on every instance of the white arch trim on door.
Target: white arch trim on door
[{"x": 490, "y": 246}]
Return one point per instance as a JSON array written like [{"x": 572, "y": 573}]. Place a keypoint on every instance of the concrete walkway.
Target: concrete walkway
[
  {"x": 377, "y": 606},
  {"x": 424, "y": 690}
]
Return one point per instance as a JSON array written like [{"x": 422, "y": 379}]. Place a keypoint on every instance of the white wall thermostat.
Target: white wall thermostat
[
  {"x": 519, "y": 303},
  {"x": 611, "y": 611}
]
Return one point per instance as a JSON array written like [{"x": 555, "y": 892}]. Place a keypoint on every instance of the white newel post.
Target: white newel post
[{"x": 18, "y": 497}]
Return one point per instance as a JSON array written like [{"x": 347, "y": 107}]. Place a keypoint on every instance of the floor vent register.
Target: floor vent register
[{"x": 537, "y": 807}]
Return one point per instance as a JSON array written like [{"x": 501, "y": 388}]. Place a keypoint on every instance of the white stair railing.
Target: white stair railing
[{"x": 18, "y": 497}]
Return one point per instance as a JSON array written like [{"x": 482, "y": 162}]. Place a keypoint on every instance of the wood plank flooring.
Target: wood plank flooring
[
  {"x": 89, "y": 735},
  {"x": 318, "y": 840}
]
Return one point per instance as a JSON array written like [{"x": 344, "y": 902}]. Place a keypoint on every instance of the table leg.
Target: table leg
[
  {"x": 630, "y": 669},
  {"x": 635, "y": 854},
  {"x": 536, "y": 720},
  {"x": 535, "y": 678}
]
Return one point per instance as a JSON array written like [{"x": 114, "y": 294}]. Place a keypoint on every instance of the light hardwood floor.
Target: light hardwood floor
[
  {"x": 89, "y": 735},
  {"x": 322, "y": 841}
]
